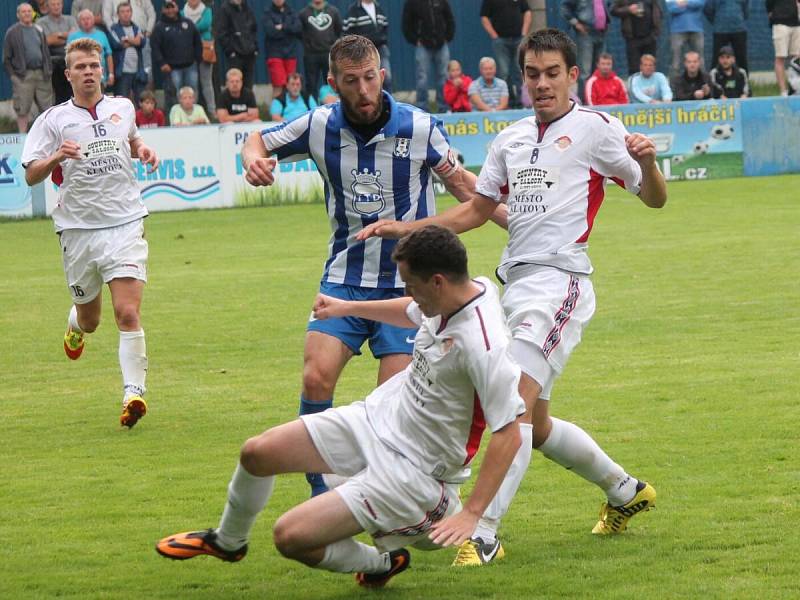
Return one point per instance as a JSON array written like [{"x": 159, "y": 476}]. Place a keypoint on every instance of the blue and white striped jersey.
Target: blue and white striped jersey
[{"x": 387, "y": 177}]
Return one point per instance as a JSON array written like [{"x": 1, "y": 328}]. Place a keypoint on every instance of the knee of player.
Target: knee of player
[
  {"x": 317, "y": 384},
  {"x": 287, "y": 539},
  {"x": 127, "y": 317}
]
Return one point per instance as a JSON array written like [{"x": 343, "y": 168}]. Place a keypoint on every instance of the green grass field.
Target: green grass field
[{"x": 688, "y": 376}]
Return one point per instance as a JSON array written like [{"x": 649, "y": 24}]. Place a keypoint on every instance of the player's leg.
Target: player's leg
[{"x": 85, "y": 285}]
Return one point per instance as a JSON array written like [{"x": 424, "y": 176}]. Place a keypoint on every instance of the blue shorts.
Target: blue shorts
[{"x": 383, "y": 339}]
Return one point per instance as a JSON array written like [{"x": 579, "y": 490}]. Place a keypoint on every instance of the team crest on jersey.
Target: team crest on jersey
[
  {"x": 367, "y": 192},
  {"x": 115, "y": 119},
  {"x": 563, "y": 143},
  {"x": 402, "y": 147}
]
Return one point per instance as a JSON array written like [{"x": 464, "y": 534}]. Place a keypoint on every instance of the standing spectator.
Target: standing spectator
[
  {"x": 149, "y": 115},
  {"x": 649, "y": 86},
  {"x": 785, "y": 21},
  {"x": 56, "y": 27},
  {"x": 590, "y": 20},
  {"x": 95, "y": 7},
  {"x": 176, "y": 51},
  {"x": 186, "y": 112},
  {"x": 729, "y": 18},
  {"x": 685, "y": 30},
  {"x": 128, "y": 40},
  {"x": 87, "y": 28},
  {"x": 237, "y": 103},
  {"x": 640, "y": 23},
  {"x": 693, "y": 83},
  {"x": 26, "y": 59},
  {"x": 293, "y": 101},
  {"x": 428, "y": 25},
  {"x": 282, "y": 27},
  {"x": 322, "y": 26},
  {"x": 727, "y": 79},
  {"x": 456, "y": 88},
  {"x": 366, "y": 18},
  {"x": 144, "y": 15},
  {"x": 507, "y": 22},
  {"x": 604, "y": 87},
  {"x": 235, "y": 28},
  {"x": 488, "y": 93},
  {"x": 200, "y": 14},
  {"x": 41, "y": 9}
]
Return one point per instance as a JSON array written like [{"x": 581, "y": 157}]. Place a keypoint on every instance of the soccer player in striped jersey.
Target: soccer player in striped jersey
[
  {"x": 401, "y": 454},
  {"x": 555, "y": 165},
  {"x": 87, "y": 144},
  {"x": 377, "y": 158}
]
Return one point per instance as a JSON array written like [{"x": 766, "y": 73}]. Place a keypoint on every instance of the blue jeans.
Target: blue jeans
[
  {"x": 387, "y": 66},
  {"x": 590, "y": 46},
  {"x": 438, "y": 59},
  {"x": 682, "y": 42},
  {"x": 178, "y": 78},
  {"x": 127, "y": 83},
  {"x": 506, "y": 54}
]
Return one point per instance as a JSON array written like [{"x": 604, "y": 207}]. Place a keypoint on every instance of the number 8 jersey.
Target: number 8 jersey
[{"x": 98, "y": 190}]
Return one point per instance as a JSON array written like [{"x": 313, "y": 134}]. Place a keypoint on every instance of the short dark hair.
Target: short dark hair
[
  {"x": 431, "y": 250},
  {"x": 548, "y": 40},
  {"x": 355, "y": 48},
  {"x": 605, "y": 56},
  {"x": 147, "y": 95}
]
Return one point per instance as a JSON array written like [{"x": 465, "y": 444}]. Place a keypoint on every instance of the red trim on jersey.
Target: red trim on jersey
[
  {"x": 483, "y": 328},
  {"x": 542, "y": 129},
  {"x": 594, "y": 112},
  {"x": 619, "y": 182},
  {"x": 504, "y": 188},
  {"x": 92, "y": 110},
  {"x": 57, "y": 176},
  {"x": 475, "y": 430},
  {"x": 595, "y": 199}
]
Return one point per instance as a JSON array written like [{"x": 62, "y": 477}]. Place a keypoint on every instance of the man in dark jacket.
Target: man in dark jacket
[
  {"x": 693, "y": 83},
  {"x": 729, "y": 18},
  {"x": 366, "y": 17},
  {"x": 176, "y": 51},
  {"x": 235, "y": 28},
  {"x": 727, "y": 79},
  {"x": 640, "y": 23},
  {"x": 282, "y": 27},
  {"x": 783, "y": 16},
  {"x": 127, "y": 42},
  {"x": 428, "y": 25},
  {"x": 322, "y": 26}
]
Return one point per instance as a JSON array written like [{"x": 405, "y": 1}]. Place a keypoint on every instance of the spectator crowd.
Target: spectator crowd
[{"x": 182, "y": 51}]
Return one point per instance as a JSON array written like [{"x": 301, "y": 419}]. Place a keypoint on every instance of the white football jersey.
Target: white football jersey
[
  {"x": 99, "y": 189},
  {"x": 461, "y": 380},
  {"x": 556, "y": 174}
]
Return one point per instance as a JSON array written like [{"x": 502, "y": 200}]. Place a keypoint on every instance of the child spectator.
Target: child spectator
[
  {"x": 148, "y": 115},
  {"x": 604, "y": 87},
  {"x": 456, "y": 88},
  {"x": 186, "y": 112}
]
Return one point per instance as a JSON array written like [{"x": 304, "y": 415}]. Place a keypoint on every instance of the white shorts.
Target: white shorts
[
  {"x": 786, "y": 39},
  {"x": 391, "y": 499},
  {"x": 548, "y": 308},
  {"x": 93, "y": 257}
]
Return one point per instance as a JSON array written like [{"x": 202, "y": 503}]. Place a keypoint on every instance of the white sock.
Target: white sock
[
  {"x": 572, "y": 448},
  {"x": 247, "y": 496},
  {"x": 498, "y": 507},
  {"x": 350, "y": 556},
  {"x": 133, "y": 362},
  {"x": 73, "y": 319}
]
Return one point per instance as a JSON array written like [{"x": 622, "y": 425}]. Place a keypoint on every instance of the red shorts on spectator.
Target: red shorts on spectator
[{"x": 279, "y": 69}]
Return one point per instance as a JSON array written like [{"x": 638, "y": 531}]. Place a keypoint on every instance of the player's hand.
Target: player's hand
[
  {"x": 641, "y": 148},
  {"x": 327, "y": 307},
  {"x": 455, "y": 530},
  {"x": 69, "y": 149},
  {"x": 260, "y": 171},
  {"x": 384, "y": 228},
  {"x": 148, "y": 157}
]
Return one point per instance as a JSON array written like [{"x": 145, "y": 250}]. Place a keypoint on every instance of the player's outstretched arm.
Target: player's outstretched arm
[
  {"x": 653, "y": 191},
  {"x": 460, "y": 218},
  {"x": 462, "y": 185},
  {"x": 38, "y": 170},
  {"x": 391, "y": 311},
  {"x": 144, "y": 153},
  {"x": 502, "y": 448},
  {"x": 257, "y": 161}
]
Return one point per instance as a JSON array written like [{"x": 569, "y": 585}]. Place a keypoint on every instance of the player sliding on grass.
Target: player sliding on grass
[
  {"x": 88, "y": 144},
  {"x": 555, "y": 165},
  {"x": 404, "y": 449},
  {"x": 377, "y": 158}
]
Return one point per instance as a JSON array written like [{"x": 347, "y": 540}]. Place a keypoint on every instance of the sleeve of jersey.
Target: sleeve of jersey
[
  {"x": 440, "y": 157},
  {"x": 495, "y": 376},
  {"x": 289, "y": 140},
  {"x": 39, "y": 143},
  {"x": 133, "y": 132},
  {"x": 611, "y": 158},
  {"x": 414, "y": 314},
  {"x": 493, "y": 176}
]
